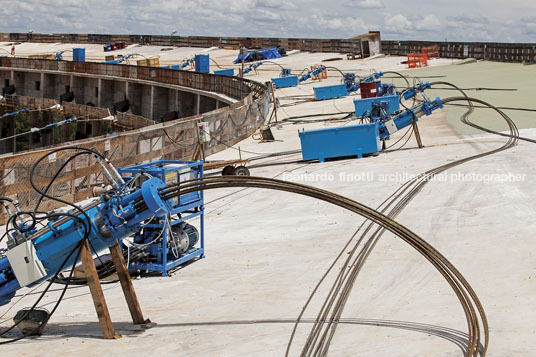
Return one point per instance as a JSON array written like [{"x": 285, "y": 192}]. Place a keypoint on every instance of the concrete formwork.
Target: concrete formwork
[{"x": 152, "y": 90}]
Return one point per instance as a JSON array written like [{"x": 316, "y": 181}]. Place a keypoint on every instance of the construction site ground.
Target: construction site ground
[{"x": 266, "y": 250}]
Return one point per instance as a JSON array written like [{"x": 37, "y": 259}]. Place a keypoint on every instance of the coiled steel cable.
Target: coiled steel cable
[
  {"x": 461, "y": 287},
  {"x": 358, "y": 263}
]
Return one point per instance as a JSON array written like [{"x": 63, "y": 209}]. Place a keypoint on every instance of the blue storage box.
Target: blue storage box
[
  {"x": 365, "y": 105},
  {"x": 353, "y": 140},
  {"x": 284, "y": 82},
  {"x": 225, "y": 72},
  {"x": 79, "y": 54},
  {"x": 330, "y": 92},
  {"x": 202, "y": 64}
]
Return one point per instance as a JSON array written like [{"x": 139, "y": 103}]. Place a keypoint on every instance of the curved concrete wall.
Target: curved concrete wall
[
  {"x": 247, "y": 108},
  {"x": 97, "y": 85}
]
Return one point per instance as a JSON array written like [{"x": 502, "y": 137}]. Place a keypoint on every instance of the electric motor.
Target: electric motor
[{"x": 184, "y": 236}]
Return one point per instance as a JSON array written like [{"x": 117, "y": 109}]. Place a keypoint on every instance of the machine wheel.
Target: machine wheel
[
  {"x": 241, "y": 171},
  {"x": 228, "y": 170}
]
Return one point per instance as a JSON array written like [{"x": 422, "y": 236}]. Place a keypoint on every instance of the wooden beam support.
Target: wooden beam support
[
  {"x": 126, "y": 284},
  {"x": 417, "y": 134},
  {"x": 96, "y": 292}
]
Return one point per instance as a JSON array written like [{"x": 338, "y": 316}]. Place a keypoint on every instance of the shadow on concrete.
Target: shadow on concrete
[
  {"x": 459, "y": 338},
  {"x": 92, "y": 330}
]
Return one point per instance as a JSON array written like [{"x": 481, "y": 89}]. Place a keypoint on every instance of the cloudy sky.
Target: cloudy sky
[{"x": 454, "y": 20}]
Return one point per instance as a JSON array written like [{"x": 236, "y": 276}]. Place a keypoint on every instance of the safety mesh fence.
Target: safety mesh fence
[
  {"x": 86, "y": 112},
  {"x": 174, "y": 140}
]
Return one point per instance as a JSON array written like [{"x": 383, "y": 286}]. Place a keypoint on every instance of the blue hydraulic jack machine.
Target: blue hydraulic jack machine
[
  {"x": 166, "y": 241},
  {"x": 287, "y": 80},
  {"x": 133, "y": 205},
  {"x": 366, "y": 138},
  {"x": 351, "y": 84}
]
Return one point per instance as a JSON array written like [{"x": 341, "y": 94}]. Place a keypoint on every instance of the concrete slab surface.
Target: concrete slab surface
[{"x": 266, "y": 250}]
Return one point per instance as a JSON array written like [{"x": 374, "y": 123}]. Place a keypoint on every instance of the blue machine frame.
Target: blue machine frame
[
  {"x": 225, "y": 72},
  {"x": 135, "y": 207},
  {"x": 362, "y": 106},
  {"x": 189, "y": 206},
  {"x": 285, "y": 82},
  {"x": 351, "y": 140},
  {"x": 330, "y": 92},
  {"x": 202, "y": 64},
  {"x": 79, "y": 55},
  {"x": 356, "y": 140}
]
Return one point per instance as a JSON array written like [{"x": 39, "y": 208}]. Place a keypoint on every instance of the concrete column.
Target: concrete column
[
  {"x": 19, "y": 81},
  {"x": 177, "y": 103},
  {"x": 217, "y": 104},
  {"x": 126, "y": 91},
  {"x": 197, "y": 103},
  {"x": 99, "y": 85},
  {"x": 171, "y": 103},
  {"x": 12, "y": 77},
  {"x": 151, "y": 103},
  {"x": 42, "y": 88},
  {"x": 14, "y": 131}
]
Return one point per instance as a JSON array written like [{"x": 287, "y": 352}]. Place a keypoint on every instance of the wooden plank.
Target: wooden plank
[
  {"x": 126, "y": 285},
  {"x": 217, "y": 164},
  {"x": 96, "y": 292}
]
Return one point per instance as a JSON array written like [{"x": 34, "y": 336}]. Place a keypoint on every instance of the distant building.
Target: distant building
[{"x": 371, "y": 43}]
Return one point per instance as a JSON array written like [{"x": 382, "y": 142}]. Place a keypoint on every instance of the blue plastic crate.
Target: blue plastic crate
[
  {"x": 330, "y": 92},
  {"x": 225, "y": 72},
  {"x": 284, "y": 82},
  {"x": 79, "y": 54},
  {"x": 353, "y": 140},
  {"x": 202, "y": 64},
  {"x": 365, "y": 105}
]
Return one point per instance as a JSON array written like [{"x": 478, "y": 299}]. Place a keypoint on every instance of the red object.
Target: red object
[
  {"x": 368, "y": 90},
  {"x": 416, "y": 60},
  {"x": 424, "y": 60},
  {"x": 431, "y": 51}
]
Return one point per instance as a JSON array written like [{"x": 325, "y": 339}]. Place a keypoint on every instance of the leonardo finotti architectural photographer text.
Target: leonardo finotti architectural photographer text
[{"x": 368, "y": 176}]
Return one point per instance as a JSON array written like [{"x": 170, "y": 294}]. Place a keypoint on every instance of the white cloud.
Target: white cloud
[
  {"x": 413, "y": 19},
  {"x": 401, "y": 26},
  {"x": 398, "y": 24},
  {"x": 365, "y": 4},
  {"x": 429, "y": 22},
  {"x": 473, "y": 28},
  {"x": 273, "y": 4},
  {"x": 530, "y": 28}
]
